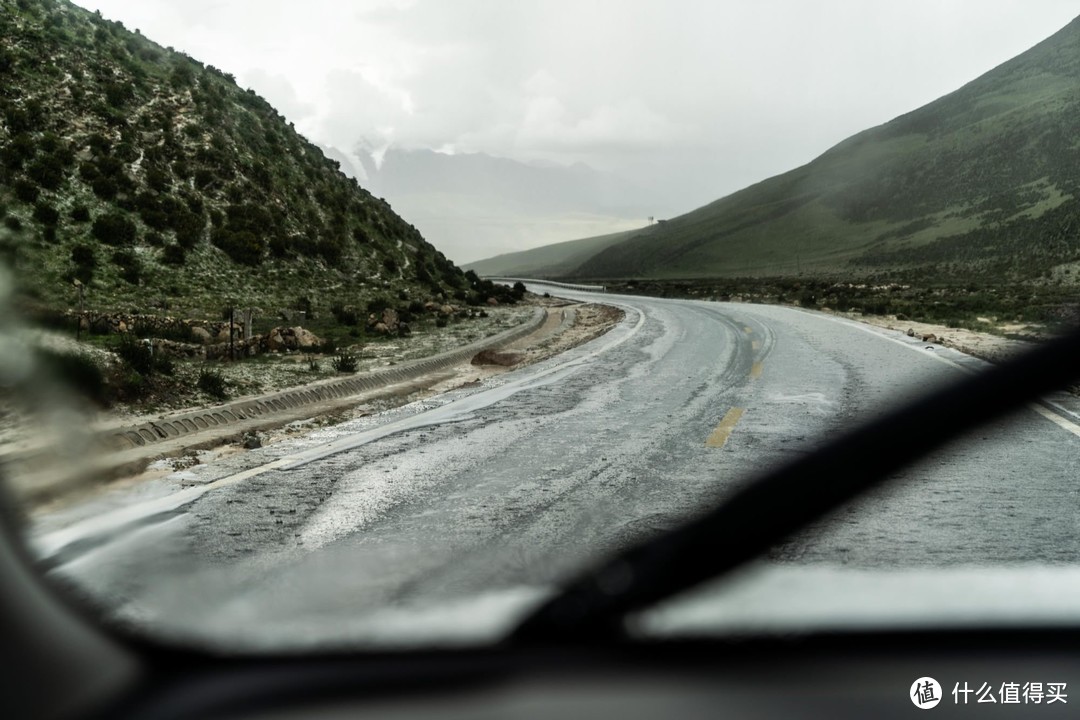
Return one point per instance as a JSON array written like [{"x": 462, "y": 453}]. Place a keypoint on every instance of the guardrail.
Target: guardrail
[{"x": 534, "y": 281}]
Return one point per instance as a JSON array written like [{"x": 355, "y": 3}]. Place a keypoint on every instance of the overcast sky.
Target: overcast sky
[{"x": 706, "y": 95}]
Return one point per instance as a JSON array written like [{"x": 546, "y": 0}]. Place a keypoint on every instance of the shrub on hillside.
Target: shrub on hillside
[
  {"x": 26, "y": 191},
  {"x": 243, "y": 247},
  {"x": 114, "y": 228},
  {"x": 85, "y": 262},
  {"x": 174, "y": 255},
  {"x": 379, "y": 303},
  {"x": 128, "y": 262},
  {"x": 77, "y": 371},
  {"x": 47, "y": 171},
  {"x": 17, "y": 151},
  {"x": 46, "y": 214},
  {"x": 212, "y": 383},
  {"x": 135, "y": 354},
  {"x": 104, "y": 187},
  {"x": 345, "y": 363}
]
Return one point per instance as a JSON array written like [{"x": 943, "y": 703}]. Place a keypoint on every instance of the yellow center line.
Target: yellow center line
[
  {"x": 723, "y": 431},
  {"x": 748, "y": 330},
  {"x": 755, "y": 345},
  {"x": 755, "y": 370}
]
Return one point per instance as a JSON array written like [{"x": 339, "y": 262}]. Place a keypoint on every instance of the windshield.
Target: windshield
[{"x": 382, "y": 326}]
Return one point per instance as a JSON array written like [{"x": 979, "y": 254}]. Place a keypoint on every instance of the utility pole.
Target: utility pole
[
  {"x": 78, "y": 322},
  {"x": 232, "y": 355}
]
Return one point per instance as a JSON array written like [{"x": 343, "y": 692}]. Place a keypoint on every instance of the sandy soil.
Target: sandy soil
[{"x": 987, "y": 346}]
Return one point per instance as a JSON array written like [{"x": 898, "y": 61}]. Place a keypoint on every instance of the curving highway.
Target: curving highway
[{"x": 447, "y": 516}]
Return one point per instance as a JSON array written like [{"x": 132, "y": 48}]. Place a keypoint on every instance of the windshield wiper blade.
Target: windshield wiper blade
[{"x": 779, "y": 504}]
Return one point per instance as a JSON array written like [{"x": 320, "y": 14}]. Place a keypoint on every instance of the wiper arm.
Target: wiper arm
[{"x": 787, "y": 500}]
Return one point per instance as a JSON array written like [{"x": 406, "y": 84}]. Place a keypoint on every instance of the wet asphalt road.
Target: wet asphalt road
[{"x": 484, "y": 498}]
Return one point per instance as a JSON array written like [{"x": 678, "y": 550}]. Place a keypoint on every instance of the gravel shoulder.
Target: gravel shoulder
[{"x": 986, "y": 346}]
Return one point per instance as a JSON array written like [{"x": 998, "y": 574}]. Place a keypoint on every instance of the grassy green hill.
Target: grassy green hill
[
  {"x": 549, "y": 261},
  {"x": 158, "y": 182},
  {"x": 982, "y": 182}
]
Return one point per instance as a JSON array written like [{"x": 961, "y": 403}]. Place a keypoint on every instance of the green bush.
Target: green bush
[
  {"x": 345, "y": 363},
  {"x": 174, "y": 255},
  {"x": 189, "y": 228},
  {"x": 212, "y": 383},
  {"x": 379, "y": 303},
  {"x": 243, "y": 247},
  {"x": 48, "y": 172},
  {"x": 114, "y": 228},
  {"x": 128, "y": 262},
  {"x": 118, "y": 94},
  {"x": 26, "y": 191},
  {"x": 131, "y": 385},
  {"x": 135, "y": 354},
  {"x": 85, "y": 262},
  {"x": 331, "y": 250},
  {"x": 345, "y": 315},
  {"x": 104, "y": 187},
  {"x": 46, "y": 214},
  {"x": 17, "y": 151},
  {"x": 77, "y": 371}
]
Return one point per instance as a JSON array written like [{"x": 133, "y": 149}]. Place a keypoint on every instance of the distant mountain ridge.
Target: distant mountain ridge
[
  {"x": 983, "y": 182},
  {"x": 548, "y": 261},
  {"x": 476, "y": 204},
  {"x": 538, "y": 187}
]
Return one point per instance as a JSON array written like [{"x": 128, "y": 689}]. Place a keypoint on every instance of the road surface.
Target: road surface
[{"x": 478, "y": 502}]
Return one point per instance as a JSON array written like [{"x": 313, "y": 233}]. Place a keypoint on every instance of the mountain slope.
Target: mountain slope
[
  {"x": 985, "y": 180},
  {"x": 549, "y": 261},
  {"x": 157, "y": 182}
]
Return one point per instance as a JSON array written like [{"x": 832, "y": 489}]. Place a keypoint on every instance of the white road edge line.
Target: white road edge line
[
  {"x": 1056, "y": 419},
  {"x": 1038, "y": 407}
]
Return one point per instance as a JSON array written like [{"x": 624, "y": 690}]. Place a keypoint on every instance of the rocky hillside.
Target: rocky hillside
[{"x": 158, "y": 183}]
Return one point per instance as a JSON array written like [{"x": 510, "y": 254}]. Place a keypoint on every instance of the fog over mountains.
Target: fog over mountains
[{"x": 475, "y": 205}]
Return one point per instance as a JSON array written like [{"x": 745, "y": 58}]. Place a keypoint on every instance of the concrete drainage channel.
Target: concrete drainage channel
[
  {"x": 328, "y": 390},
  {"x": 131, "y": 447}
]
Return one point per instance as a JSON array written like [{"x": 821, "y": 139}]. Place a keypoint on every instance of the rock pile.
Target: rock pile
[{"x": 493, "y": 357}]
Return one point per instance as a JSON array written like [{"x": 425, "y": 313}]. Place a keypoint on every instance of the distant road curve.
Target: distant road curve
[{"x": 564, "y": 286}]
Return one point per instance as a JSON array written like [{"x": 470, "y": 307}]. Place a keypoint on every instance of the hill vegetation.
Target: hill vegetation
[
  {"x": 144, "y": 196},
  {"x": 159, "y": 184},
  {"x": 980, "y": 185}
]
